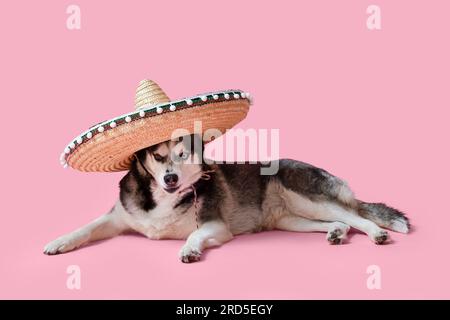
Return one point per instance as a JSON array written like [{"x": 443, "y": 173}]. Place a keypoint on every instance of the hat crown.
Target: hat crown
[{"x": 149, "y": 94}]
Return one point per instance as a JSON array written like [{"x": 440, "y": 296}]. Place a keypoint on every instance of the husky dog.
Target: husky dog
[{"x": 171, "y": 193}]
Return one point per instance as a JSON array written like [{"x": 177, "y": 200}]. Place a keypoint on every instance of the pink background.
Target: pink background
[{"x": 369, "y": 106}]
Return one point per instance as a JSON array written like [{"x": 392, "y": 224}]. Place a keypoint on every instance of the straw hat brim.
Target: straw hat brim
[{"x": 110, "y": 145}]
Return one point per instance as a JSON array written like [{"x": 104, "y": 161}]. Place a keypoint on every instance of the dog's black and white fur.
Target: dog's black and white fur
[{"x": 169, "y": 193}]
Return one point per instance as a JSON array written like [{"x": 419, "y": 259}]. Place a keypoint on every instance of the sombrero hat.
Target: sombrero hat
[{"x": 109, "y": 146}]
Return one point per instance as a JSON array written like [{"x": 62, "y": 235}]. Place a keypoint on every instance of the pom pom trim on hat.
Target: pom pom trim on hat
[{"x": 154, "y": 110}]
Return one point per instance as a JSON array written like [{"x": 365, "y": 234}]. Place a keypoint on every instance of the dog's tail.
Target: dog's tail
[{"x": 384, "y": 216}]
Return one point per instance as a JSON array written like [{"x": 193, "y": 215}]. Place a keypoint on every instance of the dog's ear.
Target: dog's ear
[{"x": 142, "y": 154}]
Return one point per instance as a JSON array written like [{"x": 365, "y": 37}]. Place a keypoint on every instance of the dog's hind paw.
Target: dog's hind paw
[
  {"x": 188, "y": 255},
  {"x": 337, "y": 233},
  {"x": 380, "y": 237}
]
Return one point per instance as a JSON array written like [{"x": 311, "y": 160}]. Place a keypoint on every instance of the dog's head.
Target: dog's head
[{"x": 175, "y": 164}]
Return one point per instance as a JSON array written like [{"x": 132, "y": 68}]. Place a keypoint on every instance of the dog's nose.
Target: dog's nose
[{"x": 171, "y": 179}]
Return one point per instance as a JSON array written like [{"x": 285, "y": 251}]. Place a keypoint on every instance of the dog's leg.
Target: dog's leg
[
  {"x": 335, "y": 212},
  {"x": 325, "y": 210},
  {"x": 209, "y": 234},
  {"x": 336, "y": 231},
  {"x": 106, "y": 226}
]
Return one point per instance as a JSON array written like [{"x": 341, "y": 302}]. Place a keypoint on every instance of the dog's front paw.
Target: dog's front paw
[
  {"x": 189, "y": 254},
  {"x": 61, "y": 245}
]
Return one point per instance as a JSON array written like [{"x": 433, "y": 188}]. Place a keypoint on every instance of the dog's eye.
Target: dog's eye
[
  {"x": 183, "y": 155},
  {"x": 158, "y": 157}
]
